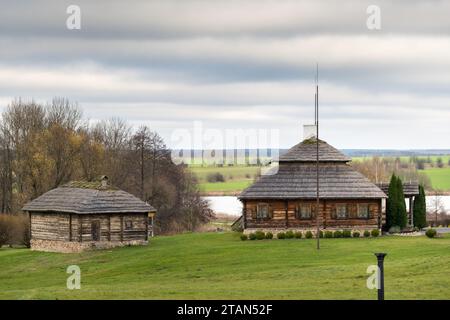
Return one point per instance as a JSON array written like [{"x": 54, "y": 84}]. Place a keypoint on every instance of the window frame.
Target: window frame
[
  {"x": 305, "y": 205},
  {"x": 368, "y": 211},
  {"x": 128, "y": 224},
  {"x": 346, "y": 211},
  {"x": 258, "y": 206}
]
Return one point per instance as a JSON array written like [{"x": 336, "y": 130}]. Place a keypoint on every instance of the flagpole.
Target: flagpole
[{"x": 317, "y": 157}]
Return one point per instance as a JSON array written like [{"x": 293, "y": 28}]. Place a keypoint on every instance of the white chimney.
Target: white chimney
[{"x": 309, "y": 131}]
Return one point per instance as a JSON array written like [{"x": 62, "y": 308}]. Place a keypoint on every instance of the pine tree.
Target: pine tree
[
  {"x": 419, "y": 212},
  {"x": 402, "y": 217},
  {"x": 391, "y": 203}
]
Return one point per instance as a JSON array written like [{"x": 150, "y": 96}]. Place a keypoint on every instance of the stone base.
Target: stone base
[{"x": 73, "y": 247}]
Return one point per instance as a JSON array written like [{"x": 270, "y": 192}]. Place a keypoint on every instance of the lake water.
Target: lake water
[
  {"x": 232, "y": 206},
  {"x": 225, "y": 204}
]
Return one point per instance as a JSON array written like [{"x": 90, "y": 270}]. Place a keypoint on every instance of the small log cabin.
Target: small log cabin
[
  {"x": 87, "y": 215},
  {"x": 286, "y": 200}
]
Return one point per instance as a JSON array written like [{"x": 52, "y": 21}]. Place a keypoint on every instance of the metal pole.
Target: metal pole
[
  {"x": 380, "y": 257},
  {"x": 317, "y": 157}
]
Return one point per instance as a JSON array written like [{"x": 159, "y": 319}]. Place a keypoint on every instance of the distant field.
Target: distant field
[
  {"x": 221, "y": 266},
  {"x": 225, "y": 188},
  {"x": 238, "y": 178},
  {"x": 440, "y": 178},
  {"x": 445, "y": 158},
  {"x": 229, "y": 173}
]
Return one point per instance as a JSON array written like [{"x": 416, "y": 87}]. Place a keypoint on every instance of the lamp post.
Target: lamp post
[{"x": 380, "y": 257}]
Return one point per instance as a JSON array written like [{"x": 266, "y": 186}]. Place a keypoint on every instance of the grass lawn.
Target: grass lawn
[
  {"x": 219, "y": 265},
  {"x": 440, "y": 177}
]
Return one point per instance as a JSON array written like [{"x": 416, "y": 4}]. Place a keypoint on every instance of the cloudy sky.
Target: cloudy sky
[{"x": 239, "y": 65}]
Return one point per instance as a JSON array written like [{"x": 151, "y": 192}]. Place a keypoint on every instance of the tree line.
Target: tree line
[
  {"x": 379, "y": 170},
  {"x": 45, "y": 145}
]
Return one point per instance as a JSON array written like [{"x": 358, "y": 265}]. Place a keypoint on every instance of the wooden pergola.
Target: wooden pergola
[{"x": 410, "y": 190}]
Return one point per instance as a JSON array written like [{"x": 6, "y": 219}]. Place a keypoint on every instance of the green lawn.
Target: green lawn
[
  {"x": 220, "y": 266},
  {"x": 440, "y": 177}
]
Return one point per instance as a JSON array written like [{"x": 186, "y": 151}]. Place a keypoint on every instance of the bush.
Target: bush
[
  {"x": 281, "y": 235},
  {"x": 431, "y": 233},
  {"x": 366, "y": 234},
  {"x": 289, "y": 234},
  {"x": 337, "y": 234},
  {"x": 260, "y": 235},
  {"x": 252, "y": 236},
  {"x": 244, "y": 237},
  {"x": 328, "y": 234},
  {"x": 215, "y": 177},
  {"x": 308, "y": 235},
  {"x": 320, "y": 234},
  {"x": 14, "y": 230},
  {"x": 347, "y": 234},
  {"x": 394, "y": 229},
  {"x": 298, "y": 235},
  {"x": 375, "y": 233},
  {"x": 269, "y": 235},
  {"x": 356, "y": 234}
]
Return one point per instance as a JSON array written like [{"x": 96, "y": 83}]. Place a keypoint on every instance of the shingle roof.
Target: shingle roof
[
  {"x": 409, "y": 188},
  {"x": 305, "y": 151},
  {"x": 88, "y": 197},
  {"x": 298, "y": 180}
]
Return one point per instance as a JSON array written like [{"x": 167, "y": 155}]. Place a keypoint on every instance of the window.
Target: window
[
  {"x": 341, "y": 211},
  {"x": 128, "y": 224},
  {"x": 363, "y": 211},
  {"x": 262, "y": 211},
  {"x": 305, "y": 211}
]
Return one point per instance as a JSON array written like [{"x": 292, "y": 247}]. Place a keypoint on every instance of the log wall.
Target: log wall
[
  {"x": 283, "y": 214},
  {"x": 78, "y": 228}
]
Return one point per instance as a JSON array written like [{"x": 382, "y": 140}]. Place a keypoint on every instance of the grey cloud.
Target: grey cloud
[{"x": 240, "y": 63}]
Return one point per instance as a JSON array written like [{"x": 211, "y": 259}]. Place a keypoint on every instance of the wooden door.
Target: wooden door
[{"x": 95, "y": 230}]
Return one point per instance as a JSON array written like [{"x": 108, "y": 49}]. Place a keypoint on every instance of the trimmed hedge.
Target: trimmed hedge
[
  {"x": 366, "y": 234},
  {"x": 328, "y": 234},
  {"x": 375, "y": 233},
  {"x": 346, "y": 234},
  {"x": 337, "y": 234},
  {"x": 308, "y": 235},
  {"x": 269, "y": 235},
  {"x": 244, "y": 237},
  {"x": 356, "y": 234},
  {"x": 431, "y": 233},
  {"x": 252, "y": 236},
  {"x": 281, "y": 235},
  {"x": 289, "y": 234},
  {"x": 298, "y": 235},
  {"x": 260, "y": 235}
]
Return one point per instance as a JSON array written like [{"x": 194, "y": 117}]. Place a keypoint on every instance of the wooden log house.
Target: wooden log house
[
  {"x": 87, "y": 215},
  {"x": 286, "y": 199}
]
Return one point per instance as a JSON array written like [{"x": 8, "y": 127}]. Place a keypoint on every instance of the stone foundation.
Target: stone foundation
[
  {"x": 73, "y": 247},
  {"x": 275, "y": 231}
]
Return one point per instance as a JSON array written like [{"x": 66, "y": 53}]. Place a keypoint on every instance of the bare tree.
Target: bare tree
[{"x": 437, "y": 206}]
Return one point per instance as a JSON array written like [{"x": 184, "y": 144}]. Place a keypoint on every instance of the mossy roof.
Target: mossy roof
[{"x": 88, "y": 197}]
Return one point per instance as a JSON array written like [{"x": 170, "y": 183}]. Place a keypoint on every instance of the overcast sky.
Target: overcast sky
[{"x": 240, "y": 64}]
